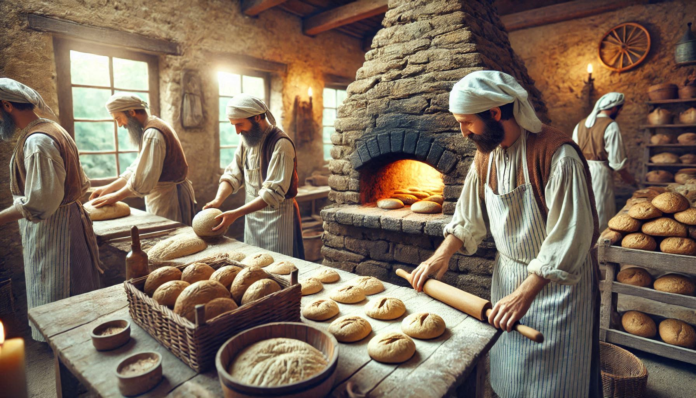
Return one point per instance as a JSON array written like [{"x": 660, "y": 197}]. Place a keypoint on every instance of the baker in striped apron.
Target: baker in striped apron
[
  {"x": 266, "y": 165},
  {"x": 61, "y": 258},
  {"x": 530, "y": 187}
]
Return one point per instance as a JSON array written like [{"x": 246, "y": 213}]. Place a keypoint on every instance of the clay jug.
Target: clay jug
[
  {"x": 688, "y": 116},
  {"x": 660, "y": 116},
  {"x": 136, "y": 260}
]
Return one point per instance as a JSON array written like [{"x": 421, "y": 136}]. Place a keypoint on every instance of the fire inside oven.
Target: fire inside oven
[{"x": 402, "y": 177}]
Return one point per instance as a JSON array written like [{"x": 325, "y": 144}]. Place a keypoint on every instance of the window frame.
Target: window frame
[
  {"x": 333, "y": 86},
  {"x": 62, "y": 48}
]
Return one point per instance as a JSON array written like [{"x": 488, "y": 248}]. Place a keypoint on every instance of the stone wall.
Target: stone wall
[{"x": 201, "y": 28}]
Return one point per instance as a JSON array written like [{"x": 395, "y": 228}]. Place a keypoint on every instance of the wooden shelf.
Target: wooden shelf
[
  {"x": 655, "y": 295},
  {"x": 658, "y": 184},
  {"x": 642, "y": 258},
  {"x": 671, "y": 145},
  {"x": 683, "y": 165},
  {"x": 652, "y": 346},
  {"x": 667, "y": 126},
  {"x": 671, "y": 101}
]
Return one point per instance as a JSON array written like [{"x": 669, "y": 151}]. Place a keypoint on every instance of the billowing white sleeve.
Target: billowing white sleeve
[
  {"x": 613, "y": 144},
  {"x": 278, "y": 178},
  {"x": 575, "y": 133},
  {"x": 234, "y": 174},
  {"x": 145, "y": 172},
  {"x": 569, "y": 225},
  {"x": 468, "y": 223}
]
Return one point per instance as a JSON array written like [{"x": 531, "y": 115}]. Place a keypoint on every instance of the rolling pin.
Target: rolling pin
[{"x": 467, "y": 303}]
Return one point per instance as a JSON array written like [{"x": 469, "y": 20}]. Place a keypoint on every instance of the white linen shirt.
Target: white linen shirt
[
  {"x": 144, "y": 173},
  {"x": 613, "y": 144}
]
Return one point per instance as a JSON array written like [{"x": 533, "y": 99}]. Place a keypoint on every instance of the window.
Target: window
[
  {"x": 231, "y": 84},
  {"x": 88, "y": 76},
  {"x": 333, "y": 98}
]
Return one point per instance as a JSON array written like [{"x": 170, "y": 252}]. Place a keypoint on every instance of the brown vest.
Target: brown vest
[
  {"x": 591, "y": 141},
  {"x": 68, "y": 152},
  {"x": 175, "y": 166},
  {"x": 267, "y": 149}
]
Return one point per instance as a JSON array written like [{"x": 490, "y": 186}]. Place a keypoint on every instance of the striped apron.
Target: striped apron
[
  {"x": 603, "y": 188},
  {"x": 559, "y": 367}
]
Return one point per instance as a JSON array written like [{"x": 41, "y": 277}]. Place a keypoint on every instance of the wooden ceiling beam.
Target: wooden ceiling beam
[
  {"x": 253, "y": 8},
  {"x": 344, "y": 15}
]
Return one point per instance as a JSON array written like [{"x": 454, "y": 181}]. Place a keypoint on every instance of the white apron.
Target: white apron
[
  {"x": 603, "y": 187},
  {"x": 560, "y": 366}
]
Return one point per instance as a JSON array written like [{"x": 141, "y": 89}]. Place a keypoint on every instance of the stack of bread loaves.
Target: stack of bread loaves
[
  {"x": 422, "y": 200},
  {"x": 669, "y": 283},
  {"x": 671, "y": 331}
]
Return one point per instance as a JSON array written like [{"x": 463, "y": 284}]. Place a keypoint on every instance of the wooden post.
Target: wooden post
[{"x": 608, "y": 304}]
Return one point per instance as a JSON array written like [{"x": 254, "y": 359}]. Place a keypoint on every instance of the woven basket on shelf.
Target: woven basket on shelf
[
  {"x": 623, "y": 374},
  {"x": 197, "y": 343}
]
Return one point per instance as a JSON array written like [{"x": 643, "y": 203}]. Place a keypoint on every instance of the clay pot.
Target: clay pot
[
  {"x": 687, "y": 92},
  {"x": 660, "y": 116},
  {"x": 659, "y": 92},
  {"x": 684, "y": 175},
  {"x": 688, "y": 116}
]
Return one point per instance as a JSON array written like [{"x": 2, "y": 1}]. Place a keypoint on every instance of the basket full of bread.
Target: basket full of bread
[{"x": 192, "y": 309}]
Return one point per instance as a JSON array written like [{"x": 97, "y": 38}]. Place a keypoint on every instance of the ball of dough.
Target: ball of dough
[
  {"x": 390, "y": 204},
  {"x": 327, "y": 275},
  {"x": 351, "y": 328},
  {"x": 204, "y": 222},
  {"x": 385, "y": 308},
  {"x": 369, "y": 284},
  {"x": 197, "y": 272},
  {"x": 423, "y": 325},
  {"x": 348, "y": 294},
  {"x": 639, "y": 324},
  {"x": 320, "y": 310},
  {"x": 159, "y": 277},
  {"x": 391, "y": 347}
]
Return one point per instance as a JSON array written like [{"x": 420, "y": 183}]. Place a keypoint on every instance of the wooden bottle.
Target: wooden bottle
[{"x": 136, "y": 260}]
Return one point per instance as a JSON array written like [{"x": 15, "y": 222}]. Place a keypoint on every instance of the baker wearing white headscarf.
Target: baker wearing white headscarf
[
  {"x": 529, "y": 187},
  {"x": 160, "y": 171},
  {"x": 61, "y": 258},
  {"x": 265, "y": 164},
  {"x": 599, "y": 138}
]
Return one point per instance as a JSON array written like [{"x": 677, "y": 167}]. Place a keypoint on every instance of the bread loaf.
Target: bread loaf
[
  {"x": 351, "y": 328},
  {"x": 327, "y": 275},
  {"x": 385, "y": 308},
  {"x": 198, "y": 293},
  {"x": 311, "y": 286},
  {"x": 390, "y": 204},
  {"x": 204, "y": 222},
  {"x": 639, "y": 324},
  {"x": 624, "y": 223},
  {"x": 635, "y": 276},
  {"x": 689, "y": 158},
  {"x": 684, "y": 175},
  {"x": 282, "y": 268},
  {"x": 236, "y": 256},
  {"x": 664, "y": 227},
  {"x": 425, "y": 207},
  {"x": 197, "y": 272},
  {"x": 260, "y": 289},
  {"x": 684, "y": 246},
  {"x": 226, "y": 275},
  {"x": 391, "y": 347},
  {"x": 107, "y": 212},
  {"x": 369, "y": 284},
  {"x": 665, "y": 158},
  {"x": 687, "y": 216},
  {"x": 405, "y": 198},
  {"x": 677, "y": 284},
  {"x": 159, "y": 277},
  {"x": 659, "y": 176},
  {"x": 639, "y": 241},
  {"x": 423, "y": 325},
  {"x": 348, "y": 294},
  {"x": 177, "y": 246},
  {"x": 219, "y": 306},
  {"x": 676, "y": 332},
  {"x": 687, "y": 138},
  {"x": 671, "y": 202},
  {"x": 435, "y": 198},
  {"x": 613, "y": 236},
  {"x": 258, "y": 260},
  {"x": 168, "y": 292},
  {"x": 650, "y": 193},
  {"x": 661, "y": 139},
  {"x": 644, "y": 211},
  {"x": 320, "y": 310},
  {"x": 244, "y": 279},
  {"x": 419, "y": 194}
]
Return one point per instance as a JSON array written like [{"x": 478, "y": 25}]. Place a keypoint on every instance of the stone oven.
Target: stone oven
[{"x": 394, "y": 131}]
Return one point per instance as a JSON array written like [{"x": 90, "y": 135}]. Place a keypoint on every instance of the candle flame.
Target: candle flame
[
  {"x": 589, "y": 68},
  {"x": 2, "y": 334},
  {"x": 309, "y": 92}
]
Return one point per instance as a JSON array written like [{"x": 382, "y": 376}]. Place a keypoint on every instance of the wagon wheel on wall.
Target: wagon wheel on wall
[{"x": 624, "y": 47}]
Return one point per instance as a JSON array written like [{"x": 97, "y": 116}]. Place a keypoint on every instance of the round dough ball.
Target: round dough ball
[
  {"x": 244, "y": 279},
  {"x": 282, "y": 268},
  {"x": 320, "y": 310},
  {"x": 259, "y": 260},
  {"x": 425, "y": 207},
  {"x": 197, "y": 293},
  {"x": 236, "y": 256},
  {"x": 677, "y": 284},
  {"x": 613, "y": 236},
  {"x": 644, "y": 211},
  {"x": 635, "y": 277},
  {"x": 687, "y": 216},
  {"x": 423, "y": 325},
  {"x": 664, "y": 227},
  {"x": 259, "y": 289},
  {"x": 168, "y": 293},
  {"x": 159, "y": 277},
  {"x": 406, "y": 199},
  {"x": 435, "y": 198},
  {"x": 639, "y": 241},
  {"x": 639, "y": 324},
  {"x": 348, "y": 294},
  {"x": 391, "y": 347},
  {"x": 197, "y": 272},
  {"x": 351, "y": 328},
  {"x": 659, "y": 176},
  {"x": 624, "y": 223},
  {"x": 385, "y": 308},
  {"x": 684, "y": 246},
  {"x": 676, "y": 332},
  {"x": 311, "y": 286},
  {"x": 369, "y": 284},
  {"x": 327, "y": 275},
  {"x": 226, "y": 275},
  {"x": 687, "y": 138},
  {"x": 671, "y": 202},
  {"x": 204, "y": 222},
  {"x": 390, "y": 204},
  {"x": 219, "y": 306}
]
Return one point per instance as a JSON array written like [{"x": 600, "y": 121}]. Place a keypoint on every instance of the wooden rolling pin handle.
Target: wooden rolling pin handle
[{"x": 526, "y": 331}]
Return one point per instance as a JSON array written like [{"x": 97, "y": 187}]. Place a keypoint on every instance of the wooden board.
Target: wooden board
[
  {"x": 120, "y": 227},
  {"x": 654, "y": 260},
  {"x": 655, "y": 295}
]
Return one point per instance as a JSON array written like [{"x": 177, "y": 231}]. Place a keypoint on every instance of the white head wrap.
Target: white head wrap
[
  {"x": 607, "y": 101},
  {"x": 244, "y": 106},
  {"x": 14, "y": 91},
  {"x": 483, "y": 90},
  {"x": 121, "y": 102}
]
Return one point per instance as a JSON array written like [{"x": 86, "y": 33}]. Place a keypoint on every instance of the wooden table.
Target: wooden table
[
  {"x": 120, "y": 227},
  {"x": 437, "y": 369}
]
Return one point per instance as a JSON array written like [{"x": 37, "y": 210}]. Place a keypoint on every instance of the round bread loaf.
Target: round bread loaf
[
  {"x": 390, "y": 204},
  {"x": 236, "y": 256},
  {"x": 405, "y": 198},
  {"x": 624, "y": 223},
  {"x": 244, "y": 279},
  {"x": 691, "y": 232},
  {"x": 687, "y": 138},
  {"x": 635, "y": 277},
  {"x": 613, "y": 236},
  {"x": 204, "y": 222},
  {"x": 197, "y": 272},
  {"x": 661, "y": 139},
  {"x": 385, "y": 308},
  {"x": 684, "y": 175},
  {"x": 107, "y": 212},
  {"x": 260, "y": 289},
  {"x": 664, "y": 227},
  {"x": 639, "y": 324},
  {"x": 689, "y": 158},
  {"x": 425, "y": 207},
  {"x": 671, "y": 202},
  {"x": 258, "y": 260},
  {"x": 649, "y": 193},
  {"x": 219, "y": 306},
  {"x": 350, "y": 328},
  {"x": 677, "y": 284},
  {"x": 159, "y": 277},
  {"x": 226, "y": 275},
  {"x": 177, "y": 246},
  {"x": 197, "y": 293},
  {"x": 311, "y": 286},
  {"x": 369, "y": 284},
  {"x": 633, "y": 201},
  {"x": 676, "y": 332},
  {"x": 665, "y": 158},
  {"x": 277, "y": 362},
  {"x": 644, "y": 211},
  {"x": 327, "y": 275},
  {"x": 639, "y": 241},
  {"x": 168, "y": 293},
  {"x": 687, "y": 216},
  {"x": 391, "y": 347},
  {"x": 659, "y": 176},
  {"x": 320, "y": 310},
  {"x": 419, "y": 194},
  {"x": 282, "y": 268},
  {"x": 423, "y": 325},
  {"x": 684, "y": 246},
  {"x": 435, "y": 198},
  {"x": 348, "y": 294}
]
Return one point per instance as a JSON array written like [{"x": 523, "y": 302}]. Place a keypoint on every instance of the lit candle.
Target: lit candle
[
  {"x": 13, "y": 378},
  {"x": 589, "y": 71},
  {"x": 309, "y": 92}
]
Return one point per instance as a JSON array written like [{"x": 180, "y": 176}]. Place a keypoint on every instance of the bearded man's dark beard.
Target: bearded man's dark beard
[
  {"x": 7, "y": 126},
  {"x": 135, "y": 130},
  {"x": 253, "y": 136},
  {"x": 493, "y": 135}
]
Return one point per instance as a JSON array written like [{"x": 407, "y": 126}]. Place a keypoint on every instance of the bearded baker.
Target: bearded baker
[
  {"x": 529, "y": 185},
  {"x": 160, "y": 171},
  {"x": 599, "y": 139},
  {"x": 266, "y": 165},
  {"x": 61, "y": 258}
]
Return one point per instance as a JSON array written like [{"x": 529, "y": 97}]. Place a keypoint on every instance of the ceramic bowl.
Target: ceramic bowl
[
  {"x": 109, "y": 342},
  {"x": 130, "y": 383}
]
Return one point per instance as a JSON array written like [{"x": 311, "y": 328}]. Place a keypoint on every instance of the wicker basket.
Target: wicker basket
[
  {"x": 197, "y": 343},
  {"x": 623, "y": 374}
]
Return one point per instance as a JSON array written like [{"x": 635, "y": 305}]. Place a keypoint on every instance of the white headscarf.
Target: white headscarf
[
  {"x": 244, "y": 106},
  {"x": 483, "y": 90},
  {"x": 121, "y": 102},
  {"x": 607, "y": 101},
  {"x": 14, "y": 91}
]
